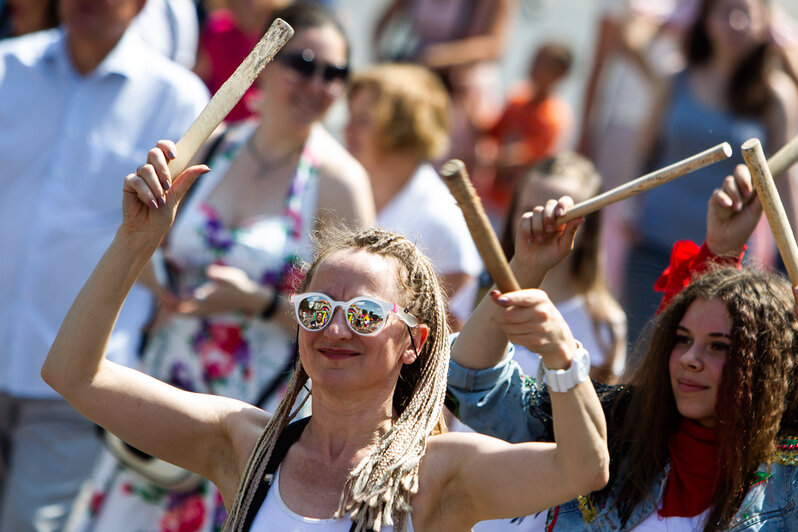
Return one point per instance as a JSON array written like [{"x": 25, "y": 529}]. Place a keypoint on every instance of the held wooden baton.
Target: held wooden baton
[
  {"x": 648, "y": 181},
  {"x": 771, "y": 203},
  {"x": 229, "y": 93},
  {"x": 456, "y": 178},
  {"x": 782, "y": 160}
]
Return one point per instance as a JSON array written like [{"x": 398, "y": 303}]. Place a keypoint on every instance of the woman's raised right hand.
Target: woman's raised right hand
[{"x": 151, "y": 196}]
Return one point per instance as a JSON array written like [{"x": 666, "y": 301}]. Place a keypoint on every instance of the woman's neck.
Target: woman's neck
[
  {"x": 390, "y": 173},
  {"x": 272, "y": 144},
  {"x": 340, "y": 427}
]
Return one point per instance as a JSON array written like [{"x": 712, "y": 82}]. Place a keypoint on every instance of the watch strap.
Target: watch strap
[{"x": 562, "y": 380}]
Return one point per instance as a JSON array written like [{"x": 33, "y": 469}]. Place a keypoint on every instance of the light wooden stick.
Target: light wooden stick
[
  {"x": 771, "y": 202},
  {"x": 648, "y": 181},
  {"x": 782, "y": 160},
  {"x": 229, "y": 93},
  {"x": 456, "y": 178}
]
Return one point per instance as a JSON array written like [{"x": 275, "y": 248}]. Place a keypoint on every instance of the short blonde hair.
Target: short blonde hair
[{"x": 411, "y": 108}]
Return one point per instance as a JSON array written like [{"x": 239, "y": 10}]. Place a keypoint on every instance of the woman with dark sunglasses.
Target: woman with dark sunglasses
[
  {"x": 223, "y": 326},
  {"x": 373, "y": 338}
]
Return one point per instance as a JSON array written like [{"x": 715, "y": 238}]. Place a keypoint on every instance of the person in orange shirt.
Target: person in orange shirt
[{"x": 532, "y": 125}]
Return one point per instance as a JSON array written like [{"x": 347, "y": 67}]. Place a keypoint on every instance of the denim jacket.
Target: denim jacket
[{"x": 502, "y": 402}]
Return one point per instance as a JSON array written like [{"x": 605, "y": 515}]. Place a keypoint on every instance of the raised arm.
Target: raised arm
[
  {"x": 539, "y": 246},
  {"x": 496, "y": 479},
  {"x": 191, "y": 430}
]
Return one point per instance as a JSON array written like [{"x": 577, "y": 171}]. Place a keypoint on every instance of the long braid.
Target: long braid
[
  {"x": 379, "y": 488},
  {"x": 256, "y": 465}
]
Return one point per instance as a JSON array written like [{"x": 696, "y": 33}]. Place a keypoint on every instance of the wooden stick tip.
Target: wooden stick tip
[
  {"x": 750, "y": 144},
  {"x": 452, "y": 167},
  {"x": 727, "y": 149},
  {"x": 282, "y": 26}
]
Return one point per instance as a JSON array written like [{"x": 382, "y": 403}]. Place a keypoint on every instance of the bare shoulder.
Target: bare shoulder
[
  {"x": 344, "y": 186},
  {"x": 783, "y": 91}
]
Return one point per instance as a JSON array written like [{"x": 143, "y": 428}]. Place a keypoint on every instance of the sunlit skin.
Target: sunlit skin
[
  {"x": 296, "y": 101},
  {"x": 340, "y": 361},
  {"x": 703, "y": 341}
]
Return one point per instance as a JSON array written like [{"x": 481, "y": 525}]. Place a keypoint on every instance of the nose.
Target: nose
[
  {"x": 338, "y": 328},
  {"x": 693, "y": 359}
]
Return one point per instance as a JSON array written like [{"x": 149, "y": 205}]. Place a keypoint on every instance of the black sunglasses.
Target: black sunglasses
[{"x": 306, "y": 65}]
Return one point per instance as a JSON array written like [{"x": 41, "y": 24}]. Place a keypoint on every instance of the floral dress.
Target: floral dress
[{"x": 231, "y": 354}]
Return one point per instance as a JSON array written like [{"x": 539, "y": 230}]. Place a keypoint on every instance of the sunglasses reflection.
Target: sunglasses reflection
[{"x": 362, "y": 316}]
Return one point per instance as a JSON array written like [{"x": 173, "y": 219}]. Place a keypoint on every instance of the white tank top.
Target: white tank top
[{"x": 275, "y": 515}]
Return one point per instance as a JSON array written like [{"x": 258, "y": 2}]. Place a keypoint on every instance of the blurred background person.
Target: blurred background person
[
  {"x": 234, "y": 255},
  {"x": 18, "y": 17},
  {"x": 228, "y": 35},
  {"x": 729, "y": 91},
  {"x": 577, "y": 285},
  {"x": 172, "y": 28},
  {"x": 636, "y": 47},
  {"x": 399, "y": 123},
  {"x": 102, "y": 98},
  {"x": 535, "y": 123},
  {"x": 460, "y": 40}
]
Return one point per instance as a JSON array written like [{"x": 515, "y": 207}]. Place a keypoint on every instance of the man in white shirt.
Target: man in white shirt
[{"x": 80, "y": 106}]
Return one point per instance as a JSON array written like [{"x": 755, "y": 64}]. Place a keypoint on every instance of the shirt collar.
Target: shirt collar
[{"x": 124, "y": 59}]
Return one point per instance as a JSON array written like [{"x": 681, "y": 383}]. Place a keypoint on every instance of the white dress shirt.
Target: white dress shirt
[{"x": 66, "y": 143}]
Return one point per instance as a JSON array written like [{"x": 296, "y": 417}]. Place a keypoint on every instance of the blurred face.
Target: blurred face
[
  {"x": 336, "y": 358},
  {"x": 546, "y": 71},
  {"x": 735, "y": 27},
  {"x": 305, "y": 78},
  {"x": 361, "y": 132},
  {"x": 538, "y": 189},
  {"x": 703, "y": 341},
  {"x": 28, "y": 15},
  {"x": 102, "y": 20}
]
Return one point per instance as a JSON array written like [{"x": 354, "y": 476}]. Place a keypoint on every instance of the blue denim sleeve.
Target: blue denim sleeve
[{"x": 499, "y": 401}]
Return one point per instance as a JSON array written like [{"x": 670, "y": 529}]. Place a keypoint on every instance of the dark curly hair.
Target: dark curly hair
[{"x": 756, "y": 397}]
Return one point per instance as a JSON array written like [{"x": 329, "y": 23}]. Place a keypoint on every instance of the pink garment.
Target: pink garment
[{"x": 226, "y": 46}]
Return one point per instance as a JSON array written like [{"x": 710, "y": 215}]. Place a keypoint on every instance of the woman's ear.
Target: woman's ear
[{"x": 419, "y": 334}]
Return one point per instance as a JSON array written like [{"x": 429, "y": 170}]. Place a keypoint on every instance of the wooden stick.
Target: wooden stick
[
  {"x": 771, "y": 202},
  {"x": 782, "y": 160},
  {"x": 648, "y": 181},
  {"x": 229, "y": 93},
  {"x": 456, "y": 178}
]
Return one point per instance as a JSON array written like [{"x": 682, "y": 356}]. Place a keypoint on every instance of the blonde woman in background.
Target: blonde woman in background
[{"x": 398, "y": 124}]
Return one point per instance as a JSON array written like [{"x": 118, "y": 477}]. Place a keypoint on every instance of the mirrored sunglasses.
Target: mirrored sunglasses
[
  {"x": 365, "y": 315},
  {"x": 306, "y": 65}
]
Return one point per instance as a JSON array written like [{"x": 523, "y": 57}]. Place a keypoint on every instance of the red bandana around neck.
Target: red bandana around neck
[{"x": 694, "y": 470}]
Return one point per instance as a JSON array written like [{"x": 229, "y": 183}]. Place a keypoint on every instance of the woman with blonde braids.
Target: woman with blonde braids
[{"x": 372, "y": 456}]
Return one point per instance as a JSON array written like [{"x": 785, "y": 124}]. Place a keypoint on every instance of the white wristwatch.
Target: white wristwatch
[{"x": 562, "y": 380}]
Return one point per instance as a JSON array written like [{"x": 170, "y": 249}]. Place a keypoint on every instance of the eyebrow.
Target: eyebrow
[{"x": 714, "y": 334}]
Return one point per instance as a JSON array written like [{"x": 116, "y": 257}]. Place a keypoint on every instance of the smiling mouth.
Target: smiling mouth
[
  {"x": 690, "y": 386},
  {"x": 338, "y": 354}
]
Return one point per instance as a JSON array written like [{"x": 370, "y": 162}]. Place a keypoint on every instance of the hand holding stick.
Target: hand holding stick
[
  {"x": 648, "y": 181},
  {"x": 771, "y": 202},
  {"x": 229, "y": 93},
  {"x": 456, "y": 178}
]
